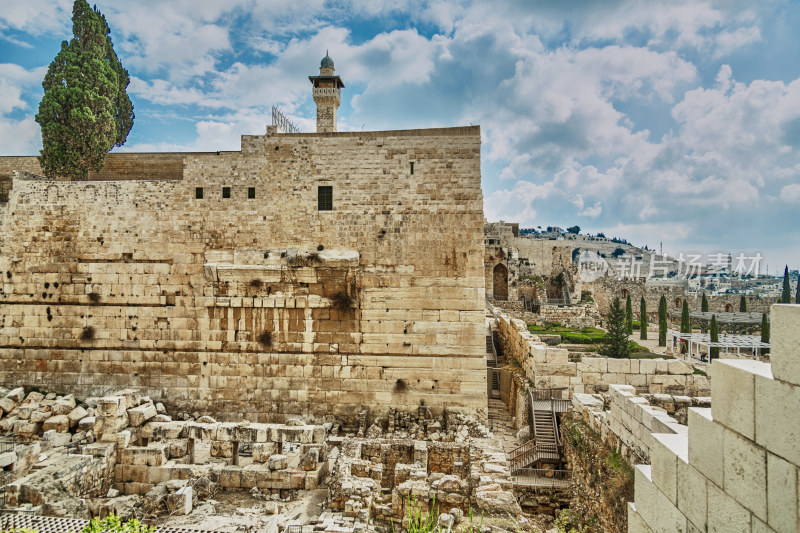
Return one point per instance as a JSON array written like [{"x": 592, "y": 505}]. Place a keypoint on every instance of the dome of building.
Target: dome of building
[{"x": 326, "y": 62}]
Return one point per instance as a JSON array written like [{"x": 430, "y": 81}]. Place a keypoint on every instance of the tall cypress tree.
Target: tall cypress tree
[
  {"x": 85, "y": 110},
  {"x": 764, "y": 331},
  {"x": 797, "y": 293},
  {"x": 703, "y": 308},
  {"x": 714, "y": 352},
  {"x": 743, "y": 304},
  {"x": 662, "y": 321},
  {"x": 615, "y": 343},
  {"x": 643, "y": 319},
  {"x": 786, "y": 297},
  {"x": 628, "y": 315},
  {"x": 686, "y": 323}
]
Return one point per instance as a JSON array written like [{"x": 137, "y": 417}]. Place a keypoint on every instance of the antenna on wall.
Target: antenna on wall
[{"x": 282, "y": 122}]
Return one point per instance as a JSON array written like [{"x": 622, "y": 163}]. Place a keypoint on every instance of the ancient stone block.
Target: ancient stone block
[
  {"x": 262, "y": 451},
  {"x": 278, "y": 462},
  {"x": 141, "y": 414},
  {"x": 58, "y": 423},
  {"x": 75, "y": 416}
]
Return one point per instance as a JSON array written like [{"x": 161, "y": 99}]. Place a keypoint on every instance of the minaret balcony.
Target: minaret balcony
[{"x": 328, "y": 92}]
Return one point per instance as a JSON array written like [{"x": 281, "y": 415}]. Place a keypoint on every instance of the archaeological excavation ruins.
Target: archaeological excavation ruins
[{"x": 321, "y": 332}]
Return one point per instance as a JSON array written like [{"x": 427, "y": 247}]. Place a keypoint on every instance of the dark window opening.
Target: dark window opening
[
  {"x": 325, "y": 198},
  {"x": 226, "y": 192},
  {"x": 251, "y": 192},
  {"x": 412, "y": 168},
  {"x": 198, "y": 193}
]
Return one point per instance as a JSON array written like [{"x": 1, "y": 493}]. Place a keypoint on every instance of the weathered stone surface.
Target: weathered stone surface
[
  {"x": 141, "y": 414},
  {"x": 58, "y": 423},
  {"x": 16, "y": 395},
  {"x": 63, "y": 405},
  {"x": 7, "y": 405},
  {"x": 40, "y": 415},
  {"x": 180, "y": 502},
  {"x": 262, "y": 451},
  {"x": 498, "y": 502},
  {"x": 278, "y": 462},
  {"x": 76, "y": 415}
]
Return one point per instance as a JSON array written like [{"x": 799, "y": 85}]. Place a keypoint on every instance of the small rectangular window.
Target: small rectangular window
[
  {"x": 226, "y": 192},
  {"x": 251, "y": 192},
  {"x": 412, "y": 168},
  {"x": 325, "y": 198},
  {"x": 198, "y": 193}
]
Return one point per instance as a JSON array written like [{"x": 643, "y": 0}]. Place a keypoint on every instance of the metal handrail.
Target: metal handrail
[
  {"x": 541, "y": 477},
  {"x": 494, "y": 348},
  {"x": 547, "y": 394},
  {"x": 530, "y": 452},
  {"x": 555, "y": 422},
  {"x": 7, "y": 443}
]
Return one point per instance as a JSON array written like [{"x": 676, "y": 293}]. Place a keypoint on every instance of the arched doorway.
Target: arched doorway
[
  {"x": 625, "y": 293},
  {"x": 678, "y": 302},
  {"x": 500, "y": 282},
  {"x": 728, "y": 308}
]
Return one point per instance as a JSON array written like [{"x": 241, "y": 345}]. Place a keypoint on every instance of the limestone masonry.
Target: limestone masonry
[{"x": 316, "y": 274}]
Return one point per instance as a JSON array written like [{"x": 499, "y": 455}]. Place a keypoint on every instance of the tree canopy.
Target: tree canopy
[
  {"x": 786, "y": 296},
  {"x": 643, "y": 319},
  {"x": 85, "y": 110},
  {"x": 714, "y": 351},
  {"x": 616, "y": 340},
  {"x": 662, "y": 321}
]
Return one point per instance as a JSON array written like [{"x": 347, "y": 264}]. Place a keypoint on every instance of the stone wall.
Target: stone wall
[
  {"x": 256, "y": 308},
  {"x": 628, "y": 422},
  {"x": 548, "y": 367},
  {"x": 604, "y": 290},
  {"x": 118, "y": 166},
  {"x": 736, "y": 469}
]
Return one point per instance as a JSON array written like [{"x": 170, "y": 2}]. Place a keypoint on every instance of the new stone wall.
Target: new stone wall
[
  {"x": 737, "y": 467},
  {"x": 257, "y": 308}
]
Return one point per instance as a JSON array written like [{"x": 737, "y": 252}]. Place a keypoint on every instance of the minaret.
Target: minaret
[{"x": 327, "y": 95}]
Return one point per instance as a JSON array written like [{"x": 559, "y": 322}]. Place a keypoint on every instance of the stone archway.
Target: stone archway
[
  {"x": 728, "y": 308},
  {"x": 500, "y": 282}
]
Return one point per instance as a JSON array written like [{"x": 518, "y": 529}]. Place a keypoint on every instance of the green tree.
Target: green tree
[
  {"x": 574, "y": 229},
  {"x": 615, "y": 343},
  {"x": 686, "y": 323},
  {"x": 714, "y": 352},
  {"x": 797, "y": 293},
  {"x": 743, "y": 304},
  {"x": 704, "y": 309},
  {"x": 628, "y": 315},
  {"x": 786, "y": 297},
  {"x": 85, "y": 110},
  {"x": 643, "y": 319},
  {"x": 662, "y": 321},
  {"x": 764, "y": 331},
  {"x": 114, "y": 524}
]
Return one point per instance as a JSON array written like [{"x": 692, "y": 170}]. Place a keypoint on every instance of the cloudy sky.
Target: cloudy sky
[{"x": 674, "y": 122}]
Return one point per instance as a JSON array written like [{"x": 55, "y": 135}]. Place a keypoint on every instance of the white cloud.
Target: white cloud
[
  {"x": 791, "y": 193},
  {"x": 36, "y": 17},
  {"x": 593, "y": 211},
  {"x": 19, "y": 137}
]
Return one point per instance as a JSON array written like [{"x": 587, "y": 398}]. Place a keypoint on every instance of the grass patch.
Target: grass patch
[
  {"x": 698, "y": 372},
  {"x": 570, "y": 335}
]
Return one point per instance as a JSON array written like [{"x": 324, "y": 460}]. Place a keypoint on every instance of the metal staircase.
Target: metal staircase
[
  {"x": 538, "y": 462},
  {"x": 492, "y": 365}
]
